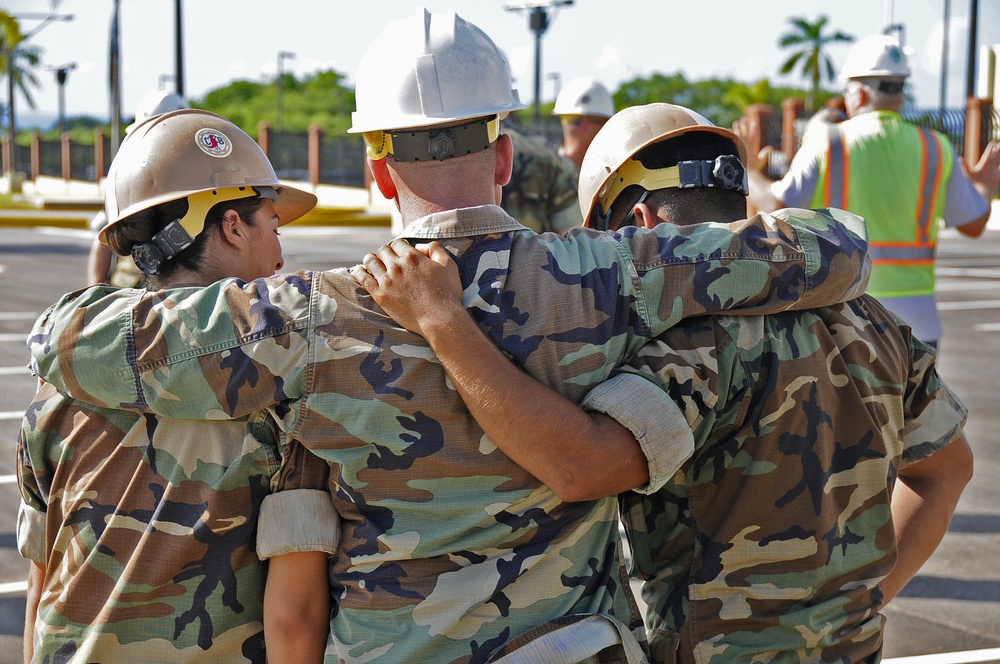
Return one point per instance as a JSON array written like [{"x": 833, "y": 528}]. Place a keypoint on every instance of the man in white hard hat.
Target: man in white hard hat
[
  {"x": 583, "y": 106},
  {"x": 903, "y": 179},
  {"x": 448, "y": 551},
  {"x": 761, "y": 525}
]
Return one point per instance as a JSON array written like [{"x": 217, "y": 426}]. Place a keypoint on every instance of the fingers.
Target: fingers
[
  {"x": 436, "y": 252},
  {"x": 373, "y": 264}
]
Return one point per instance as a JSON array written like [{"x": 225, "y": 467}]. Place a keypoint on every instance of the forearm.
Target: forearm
[
  {"x": 922, "y": 507},
  {"x": 36, "y": 574},
  {"x": 297, "y": 608},
  {"x": 578, "y": 455}
]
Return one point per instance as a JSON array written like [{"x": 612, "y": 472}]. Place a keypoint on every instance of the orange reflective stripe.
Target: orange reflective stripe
[
  {"x": 931, "y": 172},
  {"x": 836, "y": 170}
]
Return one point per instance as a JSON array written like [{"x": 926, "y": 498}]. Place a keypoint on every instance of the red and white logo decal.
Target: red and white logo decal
[{"x": 213, "y": 142}]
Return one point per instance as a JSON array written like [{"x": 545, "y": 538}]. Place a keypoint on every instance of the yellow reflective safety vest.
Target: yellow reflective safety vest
[{"x": 895, "y": 175}]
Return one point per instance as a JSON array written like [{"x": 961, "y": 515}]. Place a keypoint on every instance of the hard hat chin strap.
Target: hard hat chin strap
[
  {"x": 179, "y": 234},
  {"x": 433, "y": 144}
]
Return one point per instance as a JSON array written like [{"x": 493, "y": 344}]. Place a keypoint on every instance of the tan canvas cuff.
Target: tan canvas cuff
[
  {"x": 296, "y": 521},
  {"x": 653, "y": 418}
]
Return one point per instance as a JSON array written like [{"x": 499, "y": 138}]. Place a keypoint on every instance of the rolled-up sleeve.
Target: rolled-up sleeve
[
  {"x": 654, "y": 419},
  {"x": 31, "y": 533},
  {"x": 295, "y": 521},
  {"x": 299, "y": 514}
]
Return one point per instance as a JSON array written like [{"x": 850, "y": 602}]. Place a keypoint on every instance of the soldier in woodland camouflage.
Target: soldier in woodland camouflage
[
  {"x": 141, "y": 529},
  {"x": 541, "y": 193},
  {"x": 813, "y": 460},
  {"x": 448, "y": 550}
]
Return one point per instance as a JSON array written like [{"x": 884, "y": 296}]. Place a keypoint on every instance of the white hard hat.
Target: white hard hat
[
  {"x": 603, "y": 172},
  {"x": 877, "y": 56},
  {"x": 430, "y": 69},
  {"x": 584, "y": 96},
  {"x": 156, "y": 102}
]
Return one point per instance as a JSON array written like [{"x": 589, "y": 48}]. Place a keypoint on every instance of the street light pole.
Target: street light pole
[
  {"x": 62, "y": 73},
  {"x": 282, "y": 55},
  {"x": 538, "y": 22}
]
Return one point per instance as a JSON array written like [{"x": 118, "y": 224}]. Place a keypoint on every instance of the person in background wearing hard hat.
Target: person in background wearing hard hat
[
  {"x": 903, "y": 179},
  {"x": 141, "y": 530},
  {"x": 448, "y": 551},
  {"x": 103, "y": 267},
  {"x": 583, "y": 106},
  {"x": 814, "y": 459}
]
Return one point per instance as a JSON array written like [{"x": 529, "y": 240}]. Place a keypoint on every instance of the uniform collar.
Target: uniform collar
[{"x": 463, "y": 222}]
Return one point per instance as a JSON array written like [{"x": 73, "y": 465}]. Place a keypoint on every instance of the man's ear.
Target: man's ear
[
  {"x": 380, "y": 173},
  {"x": 644, "y": 217},
  {"x": 505, "y": 160}
]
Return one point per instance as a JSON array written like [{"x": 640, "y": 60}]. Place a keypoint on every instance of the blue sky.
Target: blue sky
[{"x": 612, "y": 40}]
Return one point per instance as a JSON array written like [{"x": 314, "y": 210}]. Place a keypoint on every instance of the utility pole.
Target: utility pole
[
  {"x": 538, "y": 23},
  {"x": 115, "y": 81},
  {"x": 970, "y": 80},
  {"x": 946, "y": 28},
  {"x": 178, "y": 49},
  {"x": 282, "y": 55}
]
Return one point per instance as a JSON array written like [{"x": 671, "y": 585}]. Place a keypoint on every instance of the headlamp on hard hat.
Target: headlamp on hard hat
[
  {"x": 433, "y": 144},
  {"x": 724, "y": 172}
]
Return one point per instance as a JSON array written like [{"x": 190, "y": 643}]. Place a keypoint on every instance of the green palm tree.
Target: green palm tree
[
  {"x": 810, "y": 40},
  {"x": 17, "y": 59}
]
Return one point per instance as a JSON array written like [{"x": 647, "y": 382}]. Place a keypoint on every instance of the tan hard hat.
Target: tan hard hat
[
  {"x": 626, "y": 133},
  {"x": 197, "y": 155}
]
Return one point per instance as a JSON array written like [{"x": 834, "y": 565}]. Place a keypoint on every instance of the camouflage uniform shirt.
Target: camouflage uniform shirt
[
  {"x": 541, "y": 193},
  {"x": 770, "y": 540},
  {"x": 146, "y": 529},
  {"x": 449, "y": 550}
]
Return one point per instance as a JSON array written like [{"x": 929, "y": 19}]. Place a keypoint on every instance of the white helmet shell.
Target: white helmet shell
[
  {"x": 156, "y": 102},
  {"x": 876, "y": 56},
  {"x": 584, "y": 96},
  {"x": 431, "y": 69}
]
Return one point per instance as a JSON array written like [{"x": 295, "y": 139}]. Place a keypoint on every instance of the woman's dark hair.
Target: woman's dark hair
[
  {"x": 685, "y": 206},
  {"x": 141, "y": 227}
]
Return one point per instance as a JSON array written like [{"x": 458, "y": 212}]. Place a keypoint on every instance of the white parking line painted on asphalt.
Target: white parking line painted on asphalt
[
  {"x": 963, "y": 657},
  {"x": 14, "y": 336},
  {"x": 12, "y": 415},
  {"x": 18, "y": 315},
  {"x": 8, "y": 479},
  {"x": 966, "y": 306},
  {"x": 964, "y": 285},
  {"x": 988, "y": 327},
  {"x": 14, "y": 588}
]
